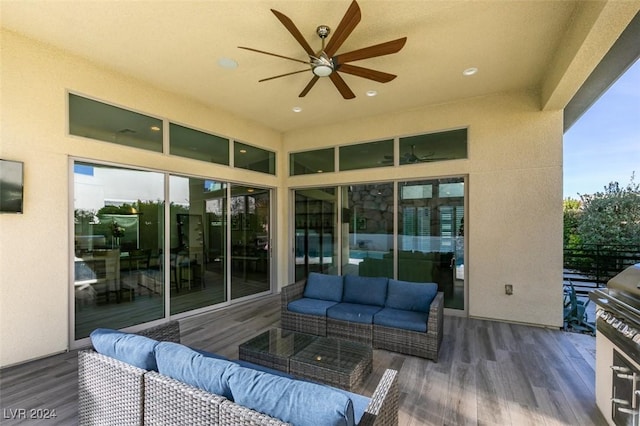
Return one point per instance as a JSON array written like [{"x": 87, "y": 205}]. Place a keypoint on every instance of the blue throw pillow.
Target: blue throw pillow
[
  {"x": 186, "y": 365},
  {"x": 130, "y": 348},
  {"x": 292, "y": 401},
  {"x": 365, "y": 290},
  {"x": 324, "y": 287},
  {"x": 411, "y": 296}
]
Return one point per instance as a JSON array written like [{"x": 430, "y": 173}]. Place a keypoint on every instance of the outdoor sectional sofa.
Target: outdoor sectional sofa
[
  {"x": 152, "y": 379},
  {"x": 384, "y": 313}
]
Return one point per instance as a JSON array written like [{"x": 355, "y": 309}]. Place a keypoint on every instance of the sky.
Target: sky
[{"x": 604, "y": 144}]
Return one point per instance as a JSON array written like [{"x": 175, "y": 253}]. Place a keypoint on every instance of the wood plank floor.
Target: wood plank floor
[{"x": 489, "y": 373}]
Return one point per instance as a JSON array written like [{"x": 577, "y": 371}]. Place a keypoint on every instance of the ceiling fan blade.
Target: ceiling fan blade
[
  {"x": 381, "y": 49},
  {"x": 289, "y": 25},
  {"x": 274, "y": 54},
  {"x": 374, "y": 75},
  {"x": 341, "y": 85},
  {"x": 348, "y": 23},
  {"x": 308, "y": 86},
  {"x": 282, "y": 75}
]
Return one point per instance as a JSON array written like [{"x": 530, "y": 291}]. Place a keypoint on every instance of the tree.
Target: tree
[
  {"x": 611, "y": 217},
  {"x": 571, "y": 211}
]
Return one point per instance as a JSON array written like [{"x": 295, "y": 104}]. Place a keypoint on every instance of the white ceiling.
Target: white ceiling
[{"x": 176, "y": 45}]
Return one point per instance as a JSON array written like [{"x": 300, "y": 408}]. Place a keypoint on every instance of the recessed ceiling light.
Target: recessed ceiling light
[
  {"x": 155, "y": 128},
  {"x": 227, "y": 63},
  {"x": 371, "y": 93},
  {"x": 470, "y": 71},
  {"x": 243, "y": 151},
  {"x": 296, "y": 109}
]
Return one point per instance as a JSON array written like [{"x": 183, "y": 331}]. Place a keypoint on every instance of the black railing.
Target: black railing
[{"x": 590, "y": 266}]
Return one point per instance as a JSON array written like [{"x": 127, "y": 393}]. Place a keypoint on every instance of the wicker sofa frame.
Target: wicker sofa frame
[
  {"x": 425, "y": 345},
  {"x": 114, "y": 392}
]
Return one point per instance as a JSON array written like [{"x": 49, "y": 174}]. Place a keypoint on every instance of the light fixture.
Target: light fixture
[
  {"x": 321, "y": 66},
  {"x": 371, "y": 93},
  {"x": 243, "y": 151},
  {"x": 320, "y": 171},
  {"x": 470, "y": 71},
  {"x": 155, "y": 128},
  {"x": 227, "y": 63},
  {"x": 296, "y": 109}
]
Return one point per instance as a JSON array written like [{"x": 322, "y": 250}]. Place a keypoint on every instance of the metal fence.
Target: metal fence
[{"x": 590, "y": 266}]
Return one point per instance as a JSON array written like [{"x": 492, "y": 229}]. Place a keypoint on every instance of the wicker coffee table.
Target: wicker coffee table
[{"x": 336, "y": 362}]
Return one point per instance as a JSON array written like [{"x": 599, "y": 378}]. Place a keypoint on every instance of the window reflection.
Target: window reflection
[
  {"x": 198, "y": 145},
  {"x": 97, "y": 120},
  {"x": 309, "y": 162},
  {"x": 368, "y": 209},
  {"x": 366, "y": 155},
  {"x": 253, "y": 158},
  {"x": 118, "y": 240},
  {"x": 432, "y": 147}
]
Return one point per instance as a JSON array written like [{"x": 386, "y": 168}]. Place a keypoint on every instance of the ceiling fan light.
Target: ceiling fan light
[{"x": 322, "y": 70}]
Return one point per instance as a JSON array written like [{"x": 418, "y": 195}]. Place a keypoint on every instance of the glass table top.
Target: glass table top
[
  {"x": 338, "y": 355},
  {"x": 279, "y": 342}
]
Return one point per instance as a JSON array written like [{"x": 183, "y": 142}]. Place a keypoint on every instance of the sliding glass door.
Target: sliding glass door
[
  {"x": 197, "y": 243},
  {"x": 250, "y": 257},
  {"x": 315, "y": 231},
  {"x": 410, "y": 231},
  {"x": 132, "y": 264},
  {"x": 118, "y": 244}
]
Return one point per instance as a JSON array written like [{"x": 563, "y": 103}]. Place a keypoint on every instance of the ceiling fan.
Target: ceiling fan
[
  {"x": 326, "y": 63},
  {"x": 412, "y": 158}
]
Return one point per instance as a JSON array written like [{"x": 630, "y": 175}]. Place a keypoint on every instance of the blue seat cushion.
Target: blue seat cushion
[
  {"x": 399, "y": 318},
  {"x": 127, "y": 347},
  {"x": 353, "y": 312},
  {"x": 257, "y": 367},
  {"x": 365, "y": 290},
  {"x": 209, "y": 354},
  {"x": 298, "y": 402},
  {"x": 186, "y": 365},
  {"x": 324, "y": 287},
  {"x": 311, "y": 306},
  {"x": 360, "y": 404},
  {"x": 410, "y": 296}
]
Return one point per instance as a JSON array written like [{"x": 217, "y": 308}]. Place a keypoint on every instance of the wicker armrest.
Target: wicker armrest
[
  {"x": 170, "y": 402},
  {"x": 436, "y": 312},
  {"x": 383, "y": 407},
  {"x": 109, "y": 391},
  {"x": 167, "y": 332},
  {"x": 292, "y": 292}
]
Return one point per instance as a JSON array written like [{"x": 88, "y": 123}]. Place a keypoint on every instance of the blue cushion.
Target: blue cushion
[
  {"x": 410, "y": 296},
  {"x": 365, "y": 290},
  {"x": 186, "y": 365},
  {"x": 311, "y": 306},
  {"x": 209, "y": 354},
  {"x": 257, "y": 367},
  {"x": 130, "y": 348},
  {"x": 297, "y": 402},
  {"x": 360, "y": 404},
  {"x": 324, "y": 287},
  {"x": 353, "y": 312},
  {"x": 399, "y": 318}
]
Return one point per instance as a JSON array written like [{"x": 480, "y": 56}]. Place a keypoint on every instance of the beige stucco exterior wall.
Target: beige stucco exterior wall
[
  {"x": 514, "y": 171},
  {"x": 34, "y": 247}
]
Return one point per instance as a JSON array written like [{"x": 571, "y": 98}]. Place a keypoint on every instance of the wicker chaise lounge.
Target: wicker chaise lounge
[{"x": 398, "y": 335}]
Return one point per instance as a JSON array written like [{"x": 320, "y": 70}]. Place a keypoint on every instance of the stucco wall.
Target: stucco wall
[
  {"x": 514, "y": 170},
  {"x": 34, "y": 247}
]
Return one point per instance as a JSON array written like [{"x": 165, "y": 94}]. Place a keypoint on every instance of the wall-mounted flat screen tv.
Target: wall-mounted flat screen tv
[{"x": 11, "y": 186}]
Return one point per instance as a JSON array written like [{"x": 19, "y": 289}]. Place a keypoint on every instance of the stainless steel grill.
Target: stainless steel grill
[{"x": 618, "y": 321}]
